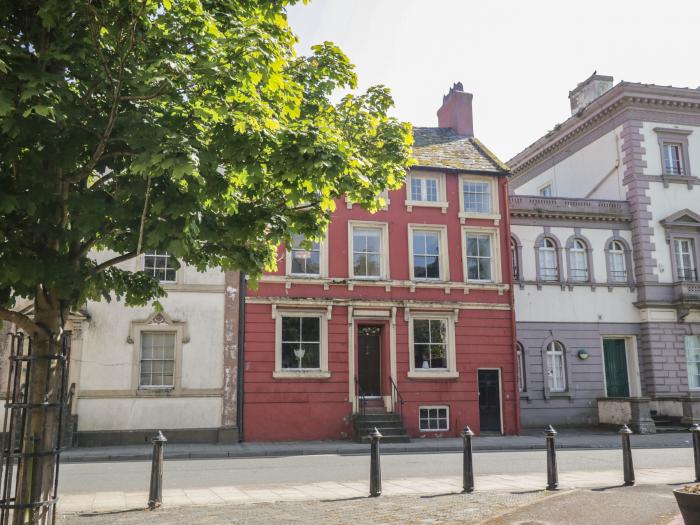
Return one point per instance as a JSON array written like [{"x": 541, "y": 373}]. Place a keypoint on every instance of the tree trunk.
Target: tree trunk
[{"x": 35, "y": 482}]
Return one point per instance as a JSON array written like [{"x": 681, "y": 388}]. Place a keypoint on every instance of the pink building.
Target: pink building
[{"x": 401, "y": 319}]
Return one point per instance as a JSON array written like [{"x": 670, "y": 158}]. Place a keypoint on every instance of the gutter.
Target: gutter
[{"x": 241, "y": 343}]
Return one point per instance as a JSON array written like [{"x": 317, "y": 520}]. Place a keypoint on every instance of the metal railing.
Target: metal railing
[
  {"x": 361, "y": 398},
  {"x": 23, "y": 449},
  {"x": 396, "y": 398}
]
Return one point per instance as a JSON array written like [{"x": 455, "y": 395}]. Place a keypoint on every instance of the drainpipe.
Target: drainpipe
[
  {"x": 241, "y": 343},
  {"x": 514, "y": 342}
]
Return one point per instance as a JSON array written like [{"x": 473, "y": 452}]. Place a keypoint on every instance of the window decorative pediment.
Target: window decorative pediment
[
  {"x": 158, "y": 320},
  {"x": 685, "y": 219}
]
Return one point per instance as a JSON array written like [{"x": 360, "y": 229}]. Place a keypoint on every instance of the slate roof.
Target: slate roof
[{"x": 444, "y": 148}]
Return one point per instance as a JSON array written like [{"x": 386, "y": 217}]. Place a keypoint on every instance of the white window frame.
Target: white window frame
[
  {"x": 556, "y": 348},
  {"x": 323, "y": 262},
  {"x": 679, "y": 168},
  {"x": 441, "y": 230},
  {"x": 156, "y": 253},
  {"x": 439, "y": 407},
  {"x": 617, "y": 254},
  {"x": 451, "y": 371},
  {"x": 544, "y": 188},
  {"x": 494, "y": 233},
  {"x": 173, "y": 334},
  {"x": 680, "y": 264},
  {"x": 579, "y": 250},
  {"x": 383, "y": 227},
  {"x": 696, "y": 363},
  {"x": 441, "y": 201},
  {"x": 322, "y": 372},
  {"x": 495, "y": 211},
  {"x": 555, "y": 251}
]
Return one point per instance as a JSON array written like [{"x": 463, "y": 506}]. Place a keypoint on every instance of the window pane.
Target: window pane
[
  {"x": 373, "y": 265},
  {"x": 291, "y": 329},
  {"x": 310, "y": 329},
  {"x": 692, "y": 355},
  {"x": 311, "y": 355},
  {"x": 431, "y": 190},
  {"x": 432, "y": 267},
  {"x": 416, "y": 189},
  {"x": 421, "y": 331},
  {"x": 289, "y": 359},
  {"x": 484, "y": 269},
  {"x": 431, "y": 242},
  {"x": 438, "y": 331}
]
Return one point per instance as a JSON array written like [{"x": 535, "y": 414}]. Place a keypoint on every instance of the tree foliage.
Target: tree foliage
[{"x": 187, "y": 126}]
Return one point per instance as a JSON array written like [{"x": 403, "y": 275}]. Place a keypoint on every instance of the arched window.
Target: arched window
[
  {"x": 617, "y": 264},
  {"x": 578, "y": 261},
  {"x": 515, "y": 259},
  {"x": 549, "y": 260},
  {"x": 520, "y": 353},
  {"x": 556, "y": 367}
]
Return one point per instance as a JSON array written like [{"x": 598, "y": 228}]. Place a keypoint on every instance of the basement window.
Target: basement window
[{"x": 434, "y": 418}]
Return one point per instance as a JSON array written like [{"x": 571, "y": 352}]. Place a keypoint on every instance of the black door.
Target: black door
[
  {"x": 368, "y": 360},
  {"x": 489, "y": 401}
]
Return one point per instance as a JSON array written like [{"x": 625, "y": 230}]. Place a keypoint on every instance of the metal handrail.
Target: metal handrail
[
  {"x": 360, "y": 396},
  {"x": 396, "y": 398}
]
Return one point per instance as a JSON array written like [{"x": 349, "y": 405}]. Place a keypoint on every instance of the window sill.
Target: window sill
[
  {"x": 426, "y": 204},
  {"x": 155, "y": 391},
  {"x": 301, "y": 374},
  {"x": 473, "y": 215},
  {"x": 668, "y": 178},
  {"x": 416, "y": 374},
  {"x": 559, "y": 395}
]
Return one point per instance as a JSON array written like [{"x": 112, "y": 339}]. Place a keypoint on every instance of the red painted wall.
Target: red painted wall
[{"x": 295, "y": 409}]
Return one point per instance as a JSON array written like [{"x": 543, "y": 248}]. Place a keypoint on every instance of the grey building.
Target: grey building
[{"x": 605, "y": 222}]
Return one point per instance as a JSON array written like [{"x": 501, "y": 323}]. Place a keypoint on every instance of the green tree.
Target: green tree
[{"x": 187, "y": 126}]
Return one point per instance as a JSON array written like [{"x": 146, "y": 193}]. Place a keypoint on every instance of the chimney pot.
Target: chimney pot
[{"x": 456, "y": 111}]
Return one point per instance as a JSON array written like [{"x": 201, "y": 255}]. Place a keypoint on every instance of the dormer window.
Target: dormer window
[{"x": 546, "y": 191}]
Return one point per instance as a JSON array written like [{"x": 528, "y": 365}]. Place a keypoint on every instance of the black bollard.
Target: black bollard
[
  {"x": 552, "y": 475},
  {"x": 695, "y": 429},
  {"x": 155, "y": 495},
  {"x": 627, "y": 465},
  {"x": 375, "y": 471},
  {"x": 467, "y": 464}
]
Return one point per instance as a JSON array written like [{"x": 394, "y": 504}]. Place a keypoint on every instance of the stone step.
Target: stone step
[
  {"x": 369, "y": 418},
  {"x": 385, "y": 432},
  {"x": 388, "y": 439}
]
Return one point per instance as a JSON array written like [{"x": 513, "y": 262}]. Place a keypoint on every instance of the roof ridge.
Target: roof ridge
[{"x": 489, "y": 154}]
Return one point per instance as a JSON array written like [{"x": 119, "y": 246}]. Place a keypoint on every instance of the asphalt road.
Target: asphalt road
[{"x": 77, "y": 478}]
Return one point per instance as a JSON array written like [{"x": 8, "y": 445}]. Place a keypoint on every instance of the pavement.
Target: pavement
[
  {"x": 529, "y": 440},
  {"x": 325, "y": 482}
]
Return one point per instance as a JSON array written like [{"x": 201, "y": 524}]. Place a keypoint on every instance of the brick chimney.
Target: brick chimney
[
  {"x": 589, "y": 90},
  {"x": 456, "y": 111}
]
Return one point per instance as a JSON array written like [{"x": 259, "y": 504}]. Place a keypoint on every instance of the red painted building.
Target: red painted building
[{"x": 412, "y": 304}]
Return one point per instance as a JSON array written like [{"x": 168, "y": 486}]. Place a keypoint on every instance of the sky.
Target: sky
[{"x": 519, "y": 58}]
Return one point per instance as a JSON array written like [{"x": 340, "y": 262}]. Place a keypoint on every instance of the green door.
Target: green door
[{"x": 615, "y": 357}]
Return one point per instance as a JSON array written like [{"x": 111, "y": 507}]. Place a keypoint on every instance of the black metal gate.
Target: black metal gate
[{"x": 18, "y": 449}]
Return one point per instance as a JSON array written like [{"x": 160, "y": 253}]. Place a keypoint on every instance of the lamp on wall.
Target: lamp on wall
[{"x": 583, "y": 354}]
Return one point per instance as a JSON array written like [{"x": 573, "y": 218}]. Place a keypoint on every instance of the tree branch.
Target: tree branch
[
  {"x": 21, "y": 320},
  {"x": 116, "y": 260}
]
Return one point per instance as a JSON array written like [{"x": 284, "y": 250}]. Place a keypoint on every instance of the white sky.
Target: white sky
[{"x": 520, "y": 58}]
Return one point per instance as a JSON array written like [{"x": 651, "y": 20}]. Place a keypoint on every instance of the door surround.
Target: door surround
[{"x": 386, "y": 317}]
